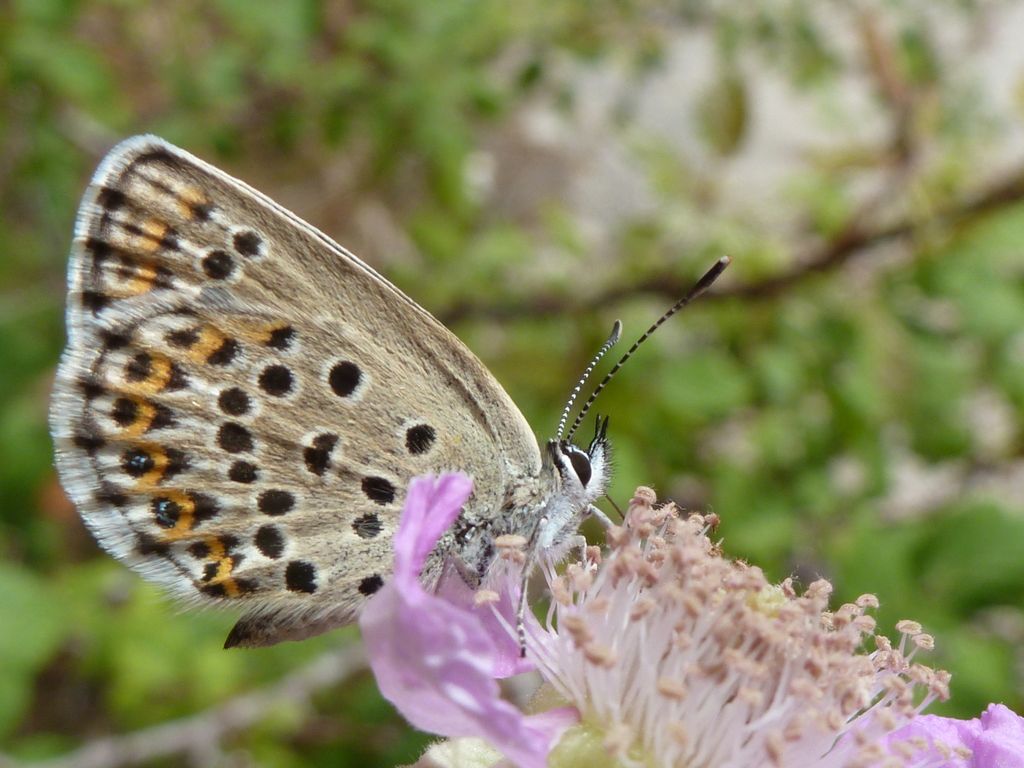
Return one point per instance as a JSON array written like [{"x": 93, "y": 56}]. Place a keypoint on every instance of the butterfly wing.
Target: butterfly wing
[{"x": 242, "y": 402}]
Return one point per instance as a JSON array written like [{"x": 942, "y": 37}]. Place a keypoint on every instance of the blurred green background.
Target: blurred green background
[{"x": 850, "y": 403}]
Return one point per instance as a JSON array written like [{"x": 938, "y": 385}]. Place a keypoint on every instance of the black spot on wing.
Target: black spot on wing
[
  {"x": 300, "y": 576},
  {"x": 420, "y": 438},
  {"x": 379, "y": 489},
  {"x": 218, "y": 265},
  {"x": 344, "y": 377},
  {"x": 234, "y": 438},
  {"x": 276, "y": 502},
  {"x": 367, "y": 526},
  {"x": 270, "y": 541},
  {"x": 281, "y": 338},
  {"x": 318, "y": 455},
  {"x": 234, "y": 402},
  {"x": 248, "y": 243},
  {"x": 276, "y": 380},
  {"x": 370, "y": 585},
  {"x": 243, "y": 472}
]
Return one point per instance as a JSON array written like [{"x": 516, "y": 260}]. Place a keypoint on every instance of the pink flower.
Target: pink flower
[
  {"x": 676, "y": 655},
  {"x": 994, "y": 740},
  {"x": 436, "y": 658},
  {"x": 666, "y": 653}
]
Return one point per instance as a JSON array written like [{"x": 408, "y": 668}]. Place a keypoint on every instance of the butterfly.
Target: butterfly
[{"x": 242, "y": 403}]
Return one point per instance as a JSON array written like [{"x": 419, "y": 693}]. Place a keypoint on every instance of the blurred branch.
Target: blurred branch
[
  {"x": 200, "y": 735},
  {"x": 855, "y": 240}
]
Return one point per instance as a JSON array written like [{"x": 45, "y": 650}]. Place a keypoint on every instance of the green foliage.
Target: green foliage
[
  {"x": 793, "y": 411},
  {"x": 35, "y": 626}
]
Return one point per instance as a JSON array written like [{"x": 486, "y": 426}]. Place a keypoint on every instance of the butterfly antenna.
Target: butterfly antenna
[
  {"x": 612, "y": 340},
  {"x": 699, "y": 287}
]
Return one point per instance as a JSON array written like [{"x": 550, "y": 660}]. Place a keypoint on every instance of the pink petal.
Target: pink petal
[
  {"x": 430, "y": 508},
  {"x": 996, "y": 739},
  {"x": 932, "y": 730},
  {"x": 1001, "y": 741},
  {"x": 508, "y": 659},
  {"x": 435, "y": 659}
]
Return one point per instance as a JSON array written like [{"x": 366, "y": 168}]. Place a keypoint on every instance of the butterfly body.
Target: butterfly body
[{"x": 242, "y": 403}]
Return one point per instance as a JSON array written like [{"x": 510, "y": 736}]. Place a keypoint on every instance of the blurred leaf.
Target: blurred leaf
[
  {"x": 956, "y": 546},
  {"x": 920, "y": 59},
  {"x": 34, "y": 627},
  {"x": 940, "y": 381},
  {"x": 723, "y": 114},
  {"x": 875, "y": 558},
  {"x": 706, "y": 385},
  {"x": 70, "y": 69},
  {"x": 779, "y": 372},
  {"x": 825, "y": 203},
  {"x": 984, "y": 672}
]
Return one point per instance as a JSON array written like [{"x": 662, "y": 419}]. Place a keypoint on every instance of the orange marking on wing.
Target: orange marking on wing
[
  {"x": 223, "y": 577},
  {"x": 153, "y": 232},
  {"x": 216, "y": 548},
  {"x": 190, "y": 199},
  {"x": 260, "y": 333},
  {"x": 161, "y": 462},
  {"x": 225, "y": 565},
  {"x": 144, "y": 414},
  {"x": 143, "y": 276},
  {"x": 186, "y": 517},
  {"x": 210, "y": 340},
  {"x": 159, "y": 376}
]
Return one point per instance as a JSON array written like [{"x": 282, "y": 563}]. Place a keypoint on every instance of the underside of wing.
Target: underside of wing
[{"x": 242, "y": 403}]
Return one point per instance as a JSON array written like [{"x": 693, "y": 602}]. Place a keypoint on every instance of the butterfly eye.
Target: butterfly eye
[{"x": 580, "y": 464}]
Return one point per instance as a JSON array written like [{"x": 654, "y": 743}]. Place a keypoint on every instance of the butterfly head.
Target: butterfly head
[
  {"x": 579, "y": 478},
  {"x": 584, "y": 474}
]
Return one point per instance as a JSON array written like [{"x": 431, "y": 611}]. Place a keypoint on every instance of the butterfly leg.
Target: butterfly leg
[
  {"x": 578, "y": 542},
  {"x": 600, "y": 516},
  {"x": 524, "y": 601}
]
